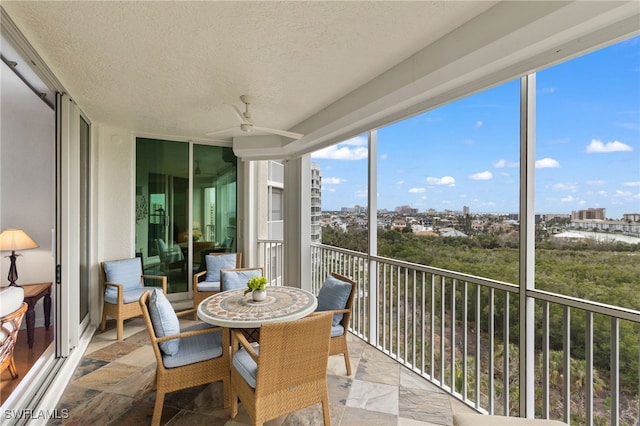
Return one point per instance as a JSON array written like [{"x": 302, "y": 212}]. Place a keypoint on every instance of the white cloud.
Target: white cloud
[
  {"x": 417, "y": 190},
  {"x": 548, "y": 90},
  {"x": 502, "y": 163},
  {"x": 486, "y": 175},
  {"x": 479, "y": 124},
  {"x": 632, "y": 126},
  {"x": 400, "y": 182},
  {"x": 596, "y": 182},
  {"x": 547, "y": 163},
  {"x": 361, "y": 193},
  {"x": 445, "y": 180},
  {"x": 631, "y": 183},
  {"x": 333, "y": 181},
  {"x": 351, "y": 149},
  {"x": 598, "y": 146},
  {"x": 565, "y": 187},
  {"x": 569, "y": 199},
  {"x": 623, "y": 194},
  {"x": 384, "y": 156}
]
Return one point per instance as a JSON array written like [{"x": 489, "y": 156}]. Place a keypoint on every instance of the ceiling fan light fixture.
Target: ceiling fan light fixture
[{"x": 246, "y": 128}]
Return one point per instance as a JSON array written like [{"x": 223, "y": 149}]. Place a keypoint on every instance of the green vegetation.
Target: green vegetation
[{"x": 601, "y": 272}]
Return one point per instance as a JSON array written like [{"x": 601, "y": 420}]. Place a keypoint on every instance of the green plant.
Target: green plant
[{"x": 256, "y": 283}]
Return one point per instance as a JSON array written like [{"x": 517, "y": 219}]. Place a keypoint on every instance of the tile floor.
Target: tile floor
[{"x": 113, "y": 386}]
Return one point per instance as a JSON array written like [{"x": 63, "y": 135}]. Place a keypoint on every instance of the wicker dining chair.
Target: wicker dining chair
[
  {"x": 286, "y": 372},
  {"x": 336, "y": 295},
  {"x": 123, "y": 283},
  {"x": 9, "y": 327},
  {"x": 187, "y": 357},
  {"x": 207, "y": 283}
]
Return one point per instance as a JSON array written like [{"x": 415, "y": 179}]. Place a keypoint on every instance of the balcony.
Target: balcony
[
  {"x": 407, "y": 310},
  {"x": 113, "y": 385}
]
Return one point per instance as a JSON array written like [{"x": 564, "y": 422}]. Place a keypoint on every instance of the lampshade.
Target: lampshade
[{"x": 16, "y": 239}]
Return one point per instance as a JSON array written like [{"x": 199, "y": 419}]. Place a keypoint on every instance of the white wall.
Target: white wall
[
  {"x": 27, "y": 179},
  {"x": 116, "y": 193}
]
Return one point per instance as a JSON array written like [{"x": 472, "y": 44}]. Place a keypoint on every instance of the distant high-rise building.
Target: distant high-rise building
[
  {"x": 465, "y": 210},
  {"x": 316, "y": 203}
]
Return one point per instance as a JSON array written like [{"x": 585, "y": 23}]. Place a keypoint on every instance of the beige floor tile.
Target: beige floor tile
[{"x": 141, "y": 357}]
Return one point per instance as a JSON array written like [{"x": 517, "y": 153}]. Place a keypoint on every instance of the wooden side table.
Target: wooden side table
[{"x": 32, "y": 293}]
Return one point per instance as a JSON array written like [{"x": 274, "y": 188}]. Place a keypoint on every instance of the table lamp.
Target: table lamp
[{"x": 12, "y": 240}]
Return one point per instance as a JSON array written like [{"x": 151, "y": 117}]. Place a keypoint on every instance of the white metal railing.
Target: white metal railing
[
  {"x": 271, "y": 258},
  {"x": 461, "y": 333}
]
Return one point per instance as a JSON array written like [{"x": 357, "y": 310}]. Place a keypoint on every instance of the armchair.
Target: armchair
[
  {"x": 287, "y": 371},
  {"x": 123, "y": 284},
  {"x": 207, "y": 282},
  {"x": 12, "y": 311},
  {"x": 336, "y": 295},
  {"x": 171, "y": 258},
  {"x": 185, "y": 357}
]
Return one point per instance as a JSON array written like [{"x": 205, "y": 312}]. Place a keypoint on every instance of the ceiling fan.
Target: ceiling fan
[{"x": 247, "y": 126}]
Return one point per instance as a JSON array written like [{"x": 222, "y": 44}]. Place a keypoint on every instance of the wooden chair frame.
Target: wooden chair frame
[
  {"x": 339, "y": 343},
  {"x": 292, "y": 369},
  {"x": 186, "y": 376},
  {"x": 122, "y": 311},
  {"x": 9, "y": 343}
]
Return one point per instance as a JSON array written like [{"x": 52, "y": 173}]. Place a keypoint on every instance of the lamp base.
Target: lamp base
[{"x": 13, "y": 271}]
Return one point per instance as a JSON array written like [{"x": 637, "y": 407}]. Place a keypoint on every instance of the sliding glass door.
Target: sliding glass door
[{"x": 184, "y": 208}]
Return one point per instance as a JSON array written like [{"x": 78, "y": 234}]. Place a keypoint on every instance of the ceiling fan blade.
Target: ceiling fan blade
[
  {"x": 219, "y": 132},
  {"x": 284, "y": 133}
]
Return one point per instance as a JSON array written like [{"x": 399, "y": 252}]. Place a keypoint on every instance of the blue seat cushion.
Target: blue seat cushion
[
  {"x": 217, "y": 262},
  {"x": 234, "y": 279},
  {"x": 209, "y": 286},
  {"x": 128, "y": 296},
  {"x": 127, "y": 272},
  {"x": 246, "y": 366},
  {"x": 337, "y": 330},
  {"x": 333, "y": 294},
  {"x": 195, "y": 348},
  {"x": 165, "y": 321}
]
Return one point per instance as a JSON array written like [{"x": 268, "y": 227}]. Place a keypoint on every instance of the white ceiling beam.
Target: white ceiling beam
[{"x": 505, "y": 42}]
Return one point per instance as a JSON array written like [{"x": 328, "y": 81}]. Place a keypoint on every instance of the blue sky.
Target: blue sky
[{"x": 466, "y": 153}]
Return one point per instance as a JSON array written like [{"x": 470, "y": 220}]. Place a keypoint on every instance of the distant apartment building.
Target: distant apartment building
[
  {"x": 589, "y": 214},
  {"x": 406, "y": 210},
  {"x": 316, "y": 203},
  {"x": 354, "y": 210},
  {"x": 631, "y": 217}
]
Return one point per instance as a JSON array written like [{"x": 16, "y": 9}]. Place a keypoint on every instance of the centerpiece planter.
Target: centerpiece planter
[
  {"x": 259, "y": 295},
  {"x": 257, "y": 287}
]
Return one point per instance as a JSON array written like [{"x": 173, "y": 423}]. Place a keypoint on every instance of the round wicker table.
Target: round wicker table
[{"x": 234, "y": 309}]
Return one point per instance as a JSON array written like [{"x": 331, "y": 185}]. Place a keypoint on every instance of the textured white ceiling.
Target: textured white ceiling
[{"x": 170, "y": 67}]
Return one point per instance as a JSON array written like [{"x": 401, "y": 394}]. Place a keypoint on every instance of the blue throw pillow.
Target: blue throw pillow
[
  {"x": 127, "y": 272},
  {"x": 217, "y": 262},
  {"x": 165, "y": 321},
  {"x": 234, "y": 279},
  {"x": 334, "y": 294}
]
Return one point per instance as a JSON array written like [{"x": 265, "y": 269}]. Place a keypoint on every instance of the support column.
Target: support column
[
  {"x": 527, "y": 244},
  {"x": 373, "y": 237},
  {"x": 297, "y": 222}
]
